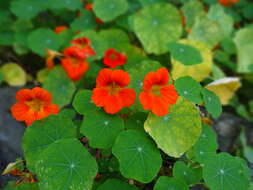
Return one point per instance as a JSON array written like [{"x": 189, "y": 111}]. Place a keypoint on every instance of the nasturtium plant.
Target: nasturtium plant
[{"x": 128, "y": 94}]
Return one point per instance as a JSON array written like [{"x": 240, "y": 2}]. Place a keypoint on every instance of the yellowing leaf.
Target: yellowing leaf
[
  {"x": 13, "y": 74},
  {"x": 42, "y": 75},
  {"x": 225, "y": 88},
  {"x": 11, "y": 166},
  {"x": 199, "y": 71}
]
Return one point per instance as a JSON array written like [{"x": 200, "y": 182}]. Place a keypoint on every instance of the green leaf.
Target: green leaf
[
  {"x": 110, "y": 184},
  {"x": 85, "y": 22},
  {"x": 66, "y": 164},
  {"x": 206, "y": 146},
  {"x": 205, "y": 31},
  {"x": 212, "y": 102},
  {"x": 186, "y": 54},
  {"x": 189, "y": 88},
  {"x": 191, "y": 10},
  {"x": 185, "y": 173},
  {"x": 6, "y": 38},
  {"x": 41, "y": 39},
  {"x": 170, "y": 183},
  {"x": 82, "y": 102},
  {"x": 150, "y": 2},
  {"x": 113, "y": 38},
  {"x": 224, "y": 172},
  {"x": 136, "y": 121},
  {"x": 244, "y": 44},
  {"x": 101, "y": 129},
  {"x": 225, "y": 21},
  {"x": 156, "y": 26},
  {"x": 176, "y": 132},
  {"x": 65, "y": 4},
  {"x": 108, "y": 10},
  {"x": 61, "y": 87},
  {"x": 25, "y": 9},
  {"x": 138, "y": 157},
  {"x": 13, "y": 74},
  {"x": 43, "y": 133}
]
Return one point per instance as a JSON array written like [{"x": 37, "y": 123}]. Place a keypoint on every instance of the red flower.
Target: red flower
[
  {"x": 110, "y": 92},
  {"x": 99, "y": 21},
  {"x": 74, "y": 65},
  {"x": 112, "y": 58},
  {"x": 84, "y": 48},
  {"x": 157, "y": 94},
  {"x": 228, "y": 3},
  {"x": 60, "y": 29},
  {"x": 89, "y": 6},
  {"x": 33, "y": 105}
]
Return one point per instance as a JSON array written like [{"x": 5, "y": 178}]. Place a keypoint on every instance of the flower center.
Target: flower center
[
  {"x": 113, "y": 88},
  {"x": 74, "y": 61},
  {"x": 113, "y": 56},
  {"x": 35, "y": 104},
  {"x": 156, "y": 90}
]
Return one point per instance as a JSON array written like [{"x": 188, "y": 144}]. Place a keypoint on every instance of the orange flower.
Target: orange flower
[
  {"x": 33, "y": 105},
  {"x": 60, "y": 29},
  {"x": 112, "y": 58},
  {"x": 157, "y": 94},
  {"x": 89, "y": 6},
  {"x": 84, "y": 48},
  {"x": 74, "y": 65},
  {"x": 228, "y": 3},
  {"x": 110, "y": 92}
]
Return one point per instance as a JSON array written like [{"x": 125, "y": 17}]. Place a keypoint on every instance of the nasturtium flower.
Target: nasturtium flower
[
  {"x": 60, "y": 29},
  {"x": 83, "y": 47},
  {"x": 111, "y": 92},
  {"x": 74, "y": 64},
  {"x": 157, "y": 94},
  {"x": 33, "y": 104},
  {"x": 113, "y": 58},
  {"x": 89, "y": 6},
  {"x": 228, "y": 3}
]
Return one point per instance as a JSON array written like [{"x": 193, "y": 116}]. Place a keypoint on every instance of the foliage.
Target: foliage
[{"x": 104, "y": 136}]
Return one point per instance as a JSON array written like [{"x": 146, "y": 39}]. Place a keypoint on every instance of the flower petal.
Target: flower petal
[
  {"x": 169, "y": 94},
  {"x": 127, "y": 96},
  {"x": 120, "y": 77},
  {"x": 146, "y": 100},
  {"x": 113, "y": 104},
  {"x": 99, "y": 96},
  {"x": 160, "y": 107}
]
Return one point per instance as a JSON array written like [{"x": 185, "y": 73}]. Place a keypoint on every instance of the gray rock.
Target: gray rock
[{"x": 11, "y": 132}]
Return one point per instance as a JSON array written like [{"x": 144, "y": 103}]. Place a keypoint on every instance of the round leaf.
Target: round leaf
[
  {"x": 66, "y": 164},
  {"x": 25, "y": 9},
  {"x": 189, "y": 89},
  {"x": 156, "y": 26},
  {"x": 185, "y": 173},
  {"x": 185, "y": 54},
  {"x": 41, "y": 39},
  {"x": 61, "y": 87},
  {"x": 65, "y": 4},
  {"x": 224, "y": 172},
  {"x": 85, "y": 22},
  {"x": 108, "y": 10},
  {"x": 244, "y": 44},
  {"x": 212, "y": 102},
  {"x": 116, "y": 184},
  {"x": 138, "y": 157},
  {"x": 82, "y": 102},
  {"x": 43, "y": 133},
  {"x": 206, "y": 145},
  {"x": 170, "y": 183},
  {"x": 199, "y": 71},
  {"x": 13, "y": 74},
  {"x": 150, "y": 2},
  {"x": 176, "y": 132},
  {"x": 101, "y": 129}
]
